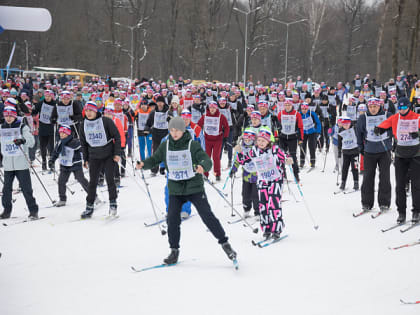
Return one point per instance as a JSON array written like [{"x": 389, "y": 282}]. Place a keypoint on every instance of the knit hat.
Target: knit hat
[
  {"x": 362, "y": 108},
  {"x": 10, "y": 111},
  {"x": 175, "y": 99},
  {"x": 249, "y": 134},
  {"x": 10, "y": 102},
  {"x": 256, "y": 114},
  {"x": 213, "y": 104},
  {"x": 109, "y": 109},
  {"x": 265, "y": 133},
  {"x": 65, "y": 129},
  {"x": 177, "y": 123},
  {"x": 403, "y": 103},
  {"x": 160, "y": 98},
  {"x": 91, "y": 106},
  {"x": 186, "y": 113},
  {"x": 304, "y": 105},
  {"x": 263, "y": 103}
]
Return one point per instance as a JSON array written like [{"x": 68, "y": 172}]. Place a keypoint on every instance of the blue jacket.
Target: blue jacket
[{"x": 317, "y": 123}]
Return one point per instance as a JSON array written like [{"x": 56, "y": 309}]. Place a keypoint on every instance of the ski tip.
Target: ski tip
[{"x": 316, "y": 227}]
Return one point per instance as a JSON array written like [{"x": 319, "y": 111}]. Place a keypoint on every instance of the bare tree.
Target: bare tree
[
  {"x": 414, "y": 40},
  {"x": 352, "y": 10},
  {"x": 316, "y": 13},
  {"x": 379, "y": 45},
  {"x": 395, "y": 36}
]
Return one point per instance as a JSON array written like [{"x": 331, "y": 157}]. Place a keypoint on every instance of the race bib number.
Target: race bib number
[{"x": 95, "y": 132}]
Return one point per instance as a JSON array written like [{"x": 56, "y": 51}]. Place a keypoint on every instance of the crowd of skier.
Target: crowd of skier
[{"x": 181, "y": 130}]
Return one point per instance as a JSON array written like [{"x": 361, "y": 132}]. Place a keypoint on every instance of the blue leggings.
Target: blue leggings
[
  {"x": 186, "y": 207},
  {"x": 143, "y": 142}
]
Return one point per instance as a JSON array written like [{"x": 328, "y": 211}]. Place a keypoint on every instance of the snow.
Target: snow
[{"x": 62, "y": 266}]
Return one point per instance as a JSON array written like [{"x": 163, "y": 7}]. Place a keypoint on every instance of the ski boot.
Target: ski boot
[
  {"x": 44, "y": 166},
  {"x": 276, "y": 236},
  {"x": 246, "y": 214},
  {"x": 173, "y": 257},
  {"x": 401, "y": 218},
  {"x": 343, "y": 186},
  {"x": 266, "y": 235},
  {"x": 113, "y": 208},
  {"x": 5, "y": 215},
  {"x": 218, "y": 179},
  {"x": 415, "y": 217},
  {"x": 88, "y": 212},
  {"x": 184, "y": 215},
  {"x": 230, "y": 164},
  {"x": 356, "y": 186},
  {"x": 229, "y": 251},
  {"x": 383, "y": 208},
  {"x": 33, "y": 216},
  {"x": 162, "y": 171},
  {"x": 61, "y": 203}
]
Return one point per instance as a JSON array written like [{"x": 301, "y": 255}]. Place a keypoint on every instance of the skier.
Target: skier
[
  {"x": 249, "y": 175},
  {"x": 101, "y": 145},
  {"x": 376, "y": 154},
  {"x": 311, "y": 130},
  {"x": 216, "y": 129},
  {"x": 347, "y": 145},
  {"x": 144, "y": 136},
  {"x": 269, "y": 161},
  {"x": 68, "y": 151},
  {"x": 15, "y": 139},
  {"x": 405, "y": 128},
  {"x": 185, "y": 162}
]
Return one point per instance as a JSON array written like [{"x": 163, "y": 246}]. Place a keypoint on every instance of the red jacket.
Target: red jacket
[
  {"x": 392, "y": 122},
  {"x": 120, "y": 128},
  {"x": 223, "y": 126},
  {"x": 299, "y": 124}
]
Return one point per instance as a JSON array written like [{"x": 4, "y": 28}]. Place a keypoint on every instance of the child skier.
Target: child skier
[
  {"x": 269, "y": 162},
  {"x": 347, "y": 145},
  {"x": 68, "y": 151},
  {"x": 249, "y": 174},
  {"x": 185, "y": 161}
]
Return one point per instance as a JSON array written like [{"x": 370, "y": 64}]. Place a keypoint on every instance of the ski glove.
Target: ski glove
[
  {"x": 19, "y": 141},
  {"x": 414, "y": 135}
]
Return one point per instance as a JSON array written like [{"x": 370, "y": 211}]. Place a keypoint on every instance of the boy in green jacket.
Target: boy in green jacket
[{"x": 185, "y": 162}]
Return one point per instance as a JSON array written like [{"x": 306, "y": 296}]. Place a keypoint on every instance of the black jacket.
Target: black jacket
[
  {"x": 113, "y": 146},
  {"x": 46, "y": 129},
  {"x": 77, "y": 157}
]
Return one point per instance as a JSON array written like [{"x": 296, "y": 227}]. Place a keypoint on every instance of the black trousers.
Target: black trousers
[
  {"x": 291, "y": 146},
  {"x": 24, "y": 179},
  {"x": 46, "y": 143},
  {"x": 308, "y": 141},
  {"x": 64, "y": 177},
  {"x": 156, "y": 140},
  {"x": 371, "y": 161},
  {"x": 95, "y": 167},
  {"x": 200, "y": 202},
  {"x": 324, "y": 136},
  {"x": 250, "y": 197},
  {"x": 349, "y": 159},
  {"x": 404, "y": 167}
]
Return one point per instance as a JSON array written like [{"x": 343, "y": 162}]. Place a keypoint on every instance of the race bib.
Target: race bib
[
  {"x": 266, "y": 167},
  {"x": 288, "y": 124},
  {"x": 308, "y": 123},
  {"x": 404, "y": 128},
  {"x": 179, "y": 163},
  {"x": 226, "y": 112},
  {"x": 349, "y": 139},
  {"x": 46, "y": 112},
  {"x": 211, "y": 125},
  {"x": 64, "y": 113},
  {"x": 66, "y": 156},
  {"x": 8, "y": 148},
  {"x": 371, "y": 123},
  {"x": 95, "y": 132},
  {"x": 141, "y": 120},
  {"x": 160, "y": 121}
]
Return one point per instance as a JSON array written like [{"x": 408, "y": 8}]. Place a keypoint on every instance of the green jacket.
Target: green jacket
[{"x": 199, "y": 157}]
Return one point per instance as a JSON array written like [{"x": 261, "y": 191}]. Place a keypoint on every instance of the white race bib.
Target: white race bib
[
  {"x": 46, "y": 112},
  {"x": 8, "y": 148},
  {"x": 288, "y": 124},
  {"x": 226, "y": 112},
  {"x": 371, "y": 123},
  {"x": 308, "y": 123},
  {"x": 64, "y": 113},
  {"x": 404, "y": 128},
  {"x": 141, "y": 120},
  {"x": 349, "y": 139},
  {"x": 160, "y": 121},
  {"x": 95, "y": 132},
  {"x": 211, "y": 125},
  {"x": 179, "y": 163},
  {"x": 265, "y": 165},
  {"x": 66, "y": 159}
]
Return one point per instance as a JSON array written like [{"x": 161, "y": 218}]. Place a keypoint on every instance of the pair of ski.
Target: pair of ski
[
  {"x": 345, "y": 192},
  {"x": 405, "y": 245},
  {"x": 164, "y": 220},
  {"x": 267, "y": 242},
  {"x": 22, "y": 221},
  {"x": 235, "y": 265},
  {"x": 412, "y": 225},
  {"x": 374, "y": 215}
]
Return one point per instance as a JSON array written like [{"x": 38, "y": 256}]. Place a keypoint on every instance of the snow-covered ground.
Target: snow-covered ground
[{"x": 62, "y": 266}]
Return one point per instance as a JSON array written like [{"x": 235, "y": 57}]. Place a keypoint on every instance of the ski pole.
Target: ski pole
[
  {"x": 231, "y": 194},
  {"x": 338, "y": 172},
  {"x": 36, "y": 174},
  {"x": 304, "y": 201},
  {"x": 233, "y": 208},
  {"x": 325, "y": 161},
  {"x": 162, "y": 231},
  {"x": 230, "y": 171}
]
